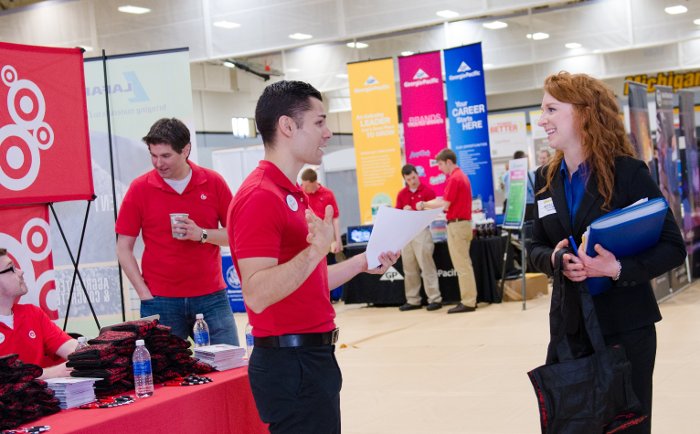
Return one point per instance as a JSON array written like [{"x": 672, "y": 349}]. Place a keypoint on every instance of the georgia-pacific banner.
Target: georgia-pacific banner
[
  {"x": 469, "y": 130},
  {"x": 376, "y": 136},
  {"x": 423, "y": 115}
]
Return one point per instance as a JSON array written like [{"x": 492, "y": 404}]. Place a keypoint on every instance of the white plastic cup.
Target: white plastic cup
[{"x": 174, "y": 219}]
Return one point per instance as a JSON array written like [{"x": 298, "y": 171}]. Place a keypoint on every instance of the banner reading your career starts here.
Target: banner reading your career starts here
[
  {"x": 423, "y": 113},
  {"x": 375, "y": 131},
  {"x": 469, "y": 130}
]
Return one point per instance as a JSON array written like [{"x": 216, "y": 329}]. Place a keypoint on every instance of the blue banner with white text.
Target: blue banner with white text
[{"x": 469, "y": 130}]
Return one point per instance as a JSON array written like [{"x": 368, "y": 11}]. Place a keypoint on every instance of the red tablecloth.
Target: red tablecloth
[{"x": 225, "y": 405}]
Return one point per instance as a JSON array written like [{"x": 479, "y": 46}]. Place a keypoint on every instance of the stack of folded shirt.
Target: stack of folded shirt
[
  {"x": 108, "y": 357},
  {"x": 23, "y": 397}
]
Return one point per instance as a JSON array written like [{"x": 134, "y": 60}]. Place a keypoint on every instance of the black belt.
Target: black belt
[
  {"x": 456, "y": 220},
  {"x": 302, "y": 340}
]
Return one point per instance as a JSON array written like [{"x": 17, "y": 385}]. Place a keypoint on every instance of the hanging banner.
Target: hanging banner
[
  {"x": 44, "y": 148},
  {"x": 423, "y": 115},
  {"x": 517, "y": 194},
  {"x": 507, "y": 134},
  {"x": 469, "y": 129},
  {"x": 690, "y": 189},
  {"x": 375, "y": 132},
  {"x": 25, "y": 233},
  {"x": 640, "y": 133}
]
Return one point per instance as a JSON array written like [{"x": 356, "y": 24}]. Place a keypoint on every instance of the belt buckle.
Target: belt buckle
[{"x": 334, "y": 336}]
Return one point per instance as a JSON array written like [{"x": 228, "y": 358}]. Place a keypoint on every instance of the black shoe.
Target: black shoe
[
  {"x": 461, "y": 308},
  {"x": 409, "y": 306},
  {"x": 434, "y": 306}
]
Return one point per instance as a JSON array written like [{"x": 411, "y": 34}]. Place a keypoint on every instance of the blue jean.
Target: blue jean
[{"x": 179, "y": 314}]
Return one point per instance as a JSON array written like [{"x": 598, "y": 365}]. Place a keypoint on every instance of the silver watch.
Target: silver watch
[{"x": 203, "y": 238}]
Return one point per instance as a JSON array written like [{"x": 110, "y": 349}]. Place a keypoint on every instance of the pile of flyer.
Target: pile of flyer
[
  {"x": 222, "y": 356},
  {"x": 73, "y": 391}
]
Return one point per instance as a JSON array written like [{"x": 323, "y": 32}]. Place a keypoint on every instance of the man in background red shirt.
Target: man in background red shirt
[
  {"x": 319, "y": 197},
  {"x": 457, "y": 202},
  {"x": 418, "y": 253}
]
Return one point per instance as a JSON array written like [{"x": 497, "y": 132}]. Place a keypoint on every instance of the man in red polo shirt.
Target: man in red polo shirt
[
  {"x": 25, "y": 329},
  {"x": 319, "y": 197},
  {"x": 279, "y": 247},
  {"x": 418, "y": 253},
  {"x": 180, "y": 273},
  {"x": 457, "y": 202}
]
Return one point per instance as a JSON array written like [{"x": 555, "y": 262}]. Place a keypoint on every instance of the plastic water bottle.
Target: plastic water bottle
[
  {"x": 82, "y": 343},
  {"x": 200, "y": 331},
  {"x": 249, "y": 341},
  {"x": 143, "y": 374}
]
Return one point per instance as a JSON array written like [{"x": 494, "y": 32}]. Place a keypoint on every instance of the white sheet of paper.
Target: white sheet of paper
[{"x": 393, "y": 229}]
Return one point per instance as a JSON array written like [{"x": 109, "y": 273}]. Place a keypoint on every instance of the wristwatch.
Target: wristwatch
[{"x": 203, "y": 238}]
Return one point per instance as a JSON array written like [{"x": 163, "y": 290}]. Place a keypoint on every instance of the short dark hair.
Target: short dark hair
[
  {"x": 283, "y": 98},
  {"x": 408, "y": 169},
  {"x": 447, "y": 154},
  {"x": 309, "y": 175},
  {"x": 519, "y": 154},
  {"x": 171, "y": 131}
]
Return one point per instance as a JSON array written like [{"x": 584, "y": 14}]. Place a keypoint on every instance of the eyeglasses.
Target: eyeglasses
[{"x": 11, "y": 268}]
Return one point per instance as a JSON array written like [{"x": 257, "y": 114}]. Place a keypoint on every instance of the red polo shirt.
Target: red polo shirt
[
  {"x": 320, "y": 199},
  {"x": 170, "y": 267},
  {"x": 266, "y": 220},
  {"x": 458, "y": 191},
  {"x": 34, "y": 336},
  {"x": 407, "y": 197}
]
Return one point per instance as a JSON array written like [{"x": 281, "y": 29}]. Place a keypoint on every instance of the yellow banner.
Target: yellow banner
[{"x": 375, "y": 128}]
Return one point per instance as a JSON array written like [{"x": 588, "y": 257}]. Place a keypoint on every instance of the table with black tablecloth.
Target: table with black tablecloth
[{"x": 388, "y": 289}]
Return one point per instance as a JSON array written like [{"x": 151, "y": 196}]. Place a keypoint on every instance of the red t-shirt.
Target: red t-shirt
[
  {"x": 458, "y": 191},
  {"x": 407, "y": 197},
  {"x": 266, "y": 220},
  {"x": 170, "y": 267},
  {"x": 34, "y": 337},
  {"x": 320, "y": 199}
]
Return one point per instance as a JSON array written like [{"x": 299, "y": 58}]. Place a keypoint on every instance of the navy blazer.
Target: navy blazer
[{"x": 630, "y": 303}]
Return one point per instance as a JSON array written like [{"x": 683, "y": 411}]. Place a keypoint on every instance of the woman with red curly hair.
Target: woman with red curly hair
[{"x": 593, "y": 172}]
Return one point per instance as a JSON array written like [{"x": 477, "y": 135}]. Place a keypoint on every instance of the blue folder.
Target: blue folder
[{"x": 625, "y": 232}]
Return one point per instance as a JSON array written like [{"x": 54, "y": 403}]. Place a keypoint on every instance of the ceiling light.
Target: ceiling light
[
  {"x": 300, "y": 36},
  {"x": 229, "y": 64},
  {"x": 344, "y": 76},
  {"x": 358, "y": 45},
  {"x": 573, "y": 45},
  {"x": 226, "y": 24},
  {"x": 128, "y": 9},
  {"x": 675, "y": 10},
  {"x": 447, "y": 14},
  {"x": 407, "y": 53},
  {"x": 538, "y": 36},
  {"x": 495, "y": 25},
  {"x": 697, "y": 22}
]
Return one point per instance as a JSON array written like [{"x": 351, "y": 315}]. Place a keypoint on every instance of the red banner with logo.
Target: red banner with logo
[
  {"x": 44, "y": 145},
  {"x": 423, "y": 115},
  {"x": 25, "y": 233}
]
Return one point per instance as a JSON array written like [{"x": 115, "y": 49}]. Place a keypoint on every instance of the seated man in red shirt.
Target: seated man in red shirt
[{"x": 25, "y": 329}]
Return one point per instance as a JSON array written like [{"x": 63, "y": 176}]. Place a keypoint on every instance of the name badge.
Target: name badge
[
  {"x": 292, "y": 203},
  {"x": 545, "y": 207}
]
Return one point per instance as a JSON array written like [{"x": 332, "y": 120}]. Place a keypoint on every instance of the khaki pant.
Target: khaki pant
[
  {"x": 418, "y": 262},
  {"x": 459, "y": 235}
]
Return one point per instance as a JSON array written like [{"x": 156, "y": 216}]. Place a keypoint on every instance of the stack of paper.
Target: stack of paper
[
  {"x": 222, "y": 356},
  {"x": 73, "y": 391}
]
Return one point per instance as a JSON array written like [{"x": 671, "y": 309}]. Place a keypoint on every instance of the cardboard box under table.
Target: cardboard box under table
[{"x": 536, "y": 283}]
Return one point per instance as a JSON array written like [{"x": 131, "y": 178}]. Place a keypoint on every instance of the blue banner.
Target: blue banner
[{"x": 469, "y": 129}]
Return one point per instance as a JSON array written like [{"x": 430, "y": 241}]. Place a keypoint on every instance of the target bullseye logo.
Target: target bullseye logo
[{"x": 22, "y": 141}]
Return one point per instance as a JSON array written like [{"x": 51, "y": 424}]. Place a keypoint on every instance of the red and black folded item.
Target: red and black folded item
[
  {"x": 8, "y": 361},
  {"x": 92, "y": 363},
  {"x": 93, "y": 352},
  {"x": 140, "y": 327},
  {"x": 113, "y": 336},
  {"x": 109, "y": 375},
  {"x": 199, "y": 367},
  {"x": 26, "y": 372},
  {"x": 161, "y": 330},
  {"x": 167, "y": 343}
]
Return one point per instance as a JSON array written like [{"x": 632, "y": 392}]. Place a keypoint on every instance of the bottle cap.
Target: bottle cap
[
  {"x": 199, "y": 316},
  {"x": 139, "y": 343}
]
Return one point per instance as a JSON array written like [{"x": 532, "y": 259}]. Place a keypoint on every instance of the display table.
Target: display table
[
  {"x": 225, "y": 405},
  {"x": 388, "y": 290}
]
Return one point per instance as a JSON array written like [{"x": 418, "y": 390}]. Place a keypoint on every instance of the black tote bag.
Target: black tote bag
[{"x": 585, "y": 387}]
